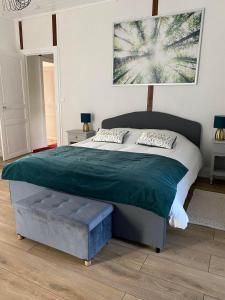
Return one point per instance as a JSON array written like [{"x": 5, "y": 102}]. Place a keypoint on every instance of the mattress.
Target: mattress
[{"x": 184, "y": 151}]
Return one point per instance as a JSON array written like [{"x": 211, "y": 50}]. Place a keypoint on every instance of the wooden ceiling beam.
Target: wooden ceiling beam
[
  {"x": 20, "y": 25},
  {"x": 54, "y": 30},
  {"x": 150, "y": 97}
]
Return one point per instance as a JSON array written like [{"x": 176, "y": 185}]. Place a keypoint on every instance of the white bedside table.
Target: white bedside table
[
  {"x": 76, "y": 135},
  {"x": 218, "y": 160}
]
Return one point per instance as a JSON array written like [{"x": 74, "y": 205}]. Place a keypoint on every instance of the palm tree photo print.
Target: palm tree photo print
[{"x": 158, "y": 50}]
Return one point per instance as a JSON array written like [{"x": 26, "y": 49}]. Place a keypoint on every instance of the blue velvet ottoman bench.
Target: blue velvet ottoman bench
[{"x": 80, "y": 227}]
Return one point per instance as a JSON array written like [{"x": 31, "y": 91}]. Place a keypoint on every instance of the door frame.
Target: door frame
[{"x": 57, "y": 79}]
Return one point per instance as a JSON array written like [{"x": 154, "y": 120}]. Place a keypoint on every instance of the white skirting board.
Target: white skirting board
[{"x": 207, "y": 209}]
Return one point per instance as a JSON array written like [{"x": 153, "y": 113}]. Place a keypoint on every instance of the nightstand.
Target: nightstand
[
  {"x": 76, "y": 135},
  {"x": 218, "y": 160}
]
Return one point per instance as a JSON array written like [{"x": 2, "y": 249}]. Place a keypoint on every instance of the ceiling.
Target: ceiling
[{"x": 44, "y": 6}]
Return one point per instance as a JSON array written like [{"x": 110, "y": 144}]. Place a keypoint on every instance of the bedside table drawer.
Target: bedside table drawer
[
  {"x": 219, "y": 148},
  {"x": 76, "y": 138},
  {"x": 76, "y": 135}
]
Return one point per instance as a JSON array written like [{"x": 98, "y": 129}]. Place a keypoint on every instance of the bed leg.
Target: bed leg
[
  {"x": 19, "y": 237},
  {"x": 157, "y": 250}
]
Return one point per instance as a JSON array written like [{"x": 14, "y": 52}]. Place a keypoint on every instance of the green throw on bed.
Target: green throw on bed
[{"x": 144, "y": 180}]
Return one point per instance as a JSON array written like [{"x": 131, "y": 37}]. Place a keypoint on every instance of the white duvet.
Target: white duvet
[{"x": 184, "y": 151}]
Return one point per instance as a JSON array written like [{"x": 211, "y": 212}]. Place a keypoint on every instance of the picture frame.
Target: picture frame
[{"x": 170, "y": 57}]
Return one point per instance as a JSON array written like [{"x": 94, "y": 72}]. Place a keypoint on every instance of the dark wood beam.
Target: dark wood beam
[
  {"x": 21, "y": 34},
  {"x": 150, "y": 97},
  {"x": 155, "y": 8},
  {"x": 54, "y": 30}
]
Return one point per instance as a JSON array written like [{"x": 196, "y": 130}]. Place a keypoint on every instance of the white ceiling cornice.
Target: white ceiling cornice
[{"x": 46, "y": 7}]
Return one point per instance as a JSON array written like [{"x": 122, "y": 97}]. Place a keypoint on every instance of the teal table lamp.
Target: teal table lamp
[
  {"x": 219, "y": 123},
  {"x": 85, "y": 118}
]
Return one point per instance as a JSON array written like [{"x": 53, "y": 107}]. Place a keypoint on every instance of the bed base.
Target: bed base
[{"x": 129, "y": 222}]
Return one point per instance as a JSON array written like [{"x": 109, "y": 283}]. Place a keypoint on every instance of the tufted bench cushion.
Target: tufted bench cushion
[{"x": 76, "y": 225}]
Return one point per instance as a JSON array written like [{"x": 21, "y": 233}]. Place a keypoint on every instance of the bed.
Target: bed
[{"x": 131, "y": 222}]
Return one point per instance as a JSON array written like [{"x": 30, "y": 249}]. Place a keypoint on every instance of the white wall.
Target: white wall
[
  {"x": 85, "y": 37},
  {"x": 207, "y": 99},
  {"x": 7, "y": 35},
  {"x": 37, "y": 32},
  {"x": 85, "y": 42}
]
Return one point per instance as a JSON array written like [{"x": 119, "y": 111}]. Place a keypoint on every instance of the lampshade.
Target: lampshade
[
  {"x": 219, "y": 122},
  {"x": 85, "y": 118}
]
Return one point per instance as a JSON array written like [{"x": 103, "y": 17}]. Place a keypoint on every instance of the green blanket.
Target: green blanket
[{"x": 143, "y": 180}]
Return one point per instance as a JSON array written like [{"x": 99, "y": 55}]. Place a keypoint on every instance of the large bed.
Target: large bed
[{"x": 131, "y": 222}]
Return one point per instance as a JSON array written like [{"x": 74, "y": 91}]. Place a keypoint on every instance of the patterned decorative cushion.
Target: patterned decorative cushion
[
  {"x": 114, "y": 135},
  {"x": 157, "y": 138}
]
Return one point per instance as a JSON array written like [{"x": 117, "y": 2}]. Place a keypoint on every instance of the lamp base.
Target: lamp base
[
  {"x": 219, "y": 135},
  {"x": 86, "y": 127}
]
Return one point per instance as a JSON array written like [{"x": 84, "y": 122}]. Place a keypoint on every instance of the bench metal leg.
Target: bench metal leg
[
  {"x": 19, "y": 237},
  {"x": 87, "y": 263}
]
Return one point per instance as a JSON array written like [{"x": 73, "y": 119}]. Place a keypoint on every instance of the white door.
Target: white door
[
  {"x": 38, "y": 132},
  {"x": 14, "y": 120}
]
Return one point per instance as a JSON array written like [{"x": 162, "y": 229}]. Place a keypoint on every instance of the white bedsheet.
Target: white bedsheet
[{"x": 184, "y": 151}]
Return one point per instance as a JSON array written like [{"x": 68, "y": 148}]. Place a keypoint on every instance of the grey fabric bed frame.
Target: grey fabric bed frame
[
  {"x": 156, "y": 120},
  {"x": 129, "y": 222}
]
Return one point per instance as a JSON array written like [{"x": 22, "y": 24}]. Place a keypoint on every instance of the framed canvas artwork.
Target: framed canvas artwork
[{"x": 161, "y": 50}]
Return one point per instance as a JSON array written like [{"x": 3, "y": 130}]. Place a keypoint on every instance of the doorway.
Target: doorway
[
  {"x": 48, "y": 70},
  {"x": 42, "y": 101}
]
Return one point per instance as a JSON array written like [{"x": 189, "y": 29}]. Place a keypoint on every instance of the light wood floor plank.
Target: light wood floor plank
[
  {"x": 210, "y": 298},
  {"x": 14, "y": 288},
  {"x": 177, "y": 253},
  {"x": 193, "y": 231},
  {"x": 207, "y": 283},
  {"x": 8, "y": 236},
  {"x": 217, "y": 265},
  {"x": 185, "y": 256},
  {"x": 182, "y": 255},
  {"x": 5, "y": 203},
  {"x": 7, "y": 216},
  {"x": 55, "y": 256},
  {"x": 219, "y": 236},
  {"x": 195, "y": 244},
  {"x": 4, "y": 192},
  {"x": 132, "y": 258},
  {"x": 130, "y": 297},
  {"x": 140, "y": 286},
  {"x": 218, "y": 186},
  {"x": 68, "y": 284},
  {"x": 119, "y": 276}
]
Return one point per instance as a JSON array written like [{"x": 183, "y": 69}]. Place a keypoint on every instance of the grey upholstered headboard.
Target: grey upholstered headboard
[{"x": 156, "y": 120}]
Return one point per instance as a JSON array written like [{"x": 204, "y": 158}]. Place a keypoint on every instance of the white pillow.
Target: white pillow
[
  {"x": 157, "y": 138},
  {"x": 115, "y": 135}
]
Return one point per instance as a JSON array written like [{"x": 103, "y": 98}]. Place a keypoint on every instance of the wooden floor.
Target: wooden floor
[{"x": 191, "y": 267}]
